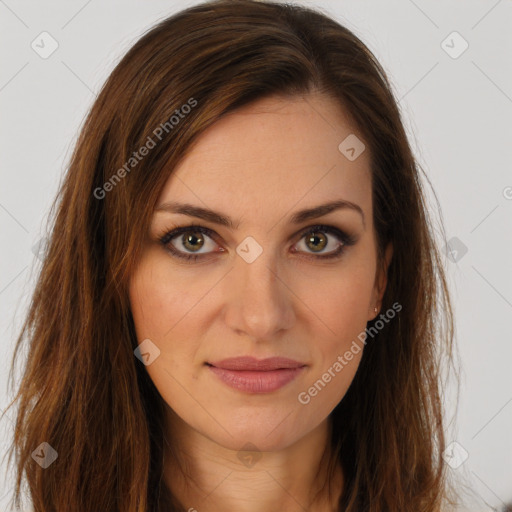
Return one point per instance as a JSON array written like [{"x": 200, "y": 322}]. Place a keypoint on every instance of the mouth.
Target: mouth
[{"x": 251, "y": 375}]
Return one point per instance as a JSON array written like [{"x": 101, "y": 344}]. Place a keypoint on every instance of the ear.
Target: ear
[{"x": 381, "y": 281}]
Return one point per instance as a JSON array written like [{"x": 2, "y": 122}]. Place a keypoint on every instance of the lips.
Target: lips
[
  {"x": 247, "y": 363},
  {"x": 251, "y": 375}
]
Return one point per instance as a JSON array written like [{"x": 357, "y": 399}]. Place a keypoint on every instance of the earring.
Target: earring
[{"x": 375, "y": 309}]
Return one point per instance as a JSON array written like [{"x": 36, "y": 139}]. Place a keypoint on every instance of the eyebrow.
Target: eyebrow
[{"x": 297, "y": 218}]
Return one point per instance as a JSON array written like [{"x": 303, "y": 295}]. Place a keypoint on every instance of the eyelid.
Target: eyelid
[{"x": 345, "y": 238}]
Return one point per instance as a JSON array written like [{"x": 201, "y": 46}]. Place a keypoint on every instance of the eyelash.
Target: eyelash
[{"x": 166, "y": 237}]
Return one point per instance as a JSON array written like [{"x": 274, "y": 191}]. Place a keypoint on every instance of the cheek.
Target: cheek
[
  {"x": 160, "y": 300},
  {"x": 341, "y": 302},
  {"x": 338, "y": 351},
  {"x": 166, "y": 304},
  {"x": 338, "y": 310},
  {"x": 159, "y": 309}
]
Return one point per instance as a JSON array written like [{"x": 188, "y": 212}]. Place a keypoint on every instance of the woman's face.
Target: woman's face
[{"x": 263, "y": 285}]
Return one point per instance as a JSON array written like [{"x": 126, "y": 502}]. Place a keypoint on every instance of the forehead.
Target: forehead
[{"x": 272, "y": 156}]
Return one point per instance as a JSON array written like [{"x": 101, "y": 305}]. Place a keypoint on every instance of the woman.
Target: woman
[{"x": 242, "y": 306}]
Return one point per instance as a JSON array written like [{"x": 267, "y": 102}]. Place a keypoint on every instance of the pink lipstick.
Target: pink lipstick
[{"x": 256, "y": 375}]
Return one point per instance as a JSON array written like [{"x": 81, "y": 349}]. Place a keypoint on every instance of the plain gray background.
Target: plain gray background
[{"x": 457, "y": 110}]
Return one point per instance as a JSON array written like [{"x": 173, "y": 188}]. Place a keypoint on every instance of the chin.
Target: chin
[
  {"x": 254, "y": 440},
  {"x": 275, "y": 431}
]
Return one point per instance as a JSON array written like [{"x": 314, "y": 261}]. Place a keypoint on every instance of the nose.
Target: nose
[{"x": 259, "y": 302}]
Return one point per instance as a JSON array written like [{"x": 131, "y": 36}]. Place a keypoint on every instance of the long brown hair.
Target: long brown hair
[{"x": 83, "y": 391}]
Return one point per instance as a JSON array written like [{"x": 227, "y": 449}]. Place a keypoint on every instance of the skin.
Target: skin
[{"x": 258, "y": 166}]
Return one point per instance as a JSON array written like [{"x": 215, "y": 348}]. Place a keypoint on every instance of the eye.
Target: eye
[
  {"x": 194, "y": 239},
  {"x": 318, "y": 238}
]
